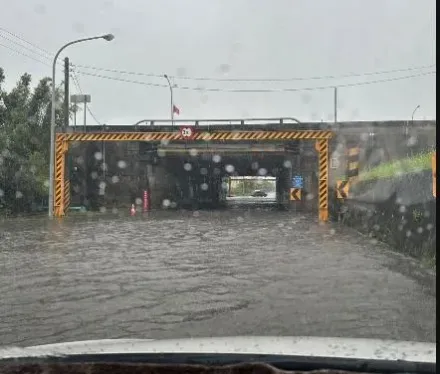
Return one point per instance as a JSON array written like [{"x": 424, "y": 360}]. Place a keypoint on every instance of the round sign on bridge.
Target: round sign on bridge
[{"x": 187, "y": 132}]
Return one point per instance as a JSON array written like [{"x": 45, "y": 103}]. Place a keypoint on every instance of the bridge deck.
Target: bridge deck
[{"x": 283, "y": 124}]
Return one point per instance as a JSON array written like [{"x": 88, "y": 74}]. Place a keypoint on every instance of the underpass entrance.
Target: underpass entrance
[
  {"x": 251, "y": 190},
  {"x": 198, "y": 136}
]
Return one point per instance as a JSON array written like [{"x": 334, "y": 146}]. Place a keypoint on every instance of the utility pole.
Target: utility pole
[
  {"x": 336, "y": 105},
  {"x": 66, "y": 93}
]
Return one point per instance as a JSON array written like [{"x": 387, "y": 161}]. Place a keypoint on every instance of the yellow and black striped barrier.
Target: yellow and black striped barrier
[
  {"x": 62, "y": 188},
  {"x": 353, "y": 162}
]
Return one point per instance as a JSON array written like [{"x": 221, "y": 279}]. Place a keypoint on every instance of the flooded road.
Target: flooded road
[{"x": 182, "y": 274}]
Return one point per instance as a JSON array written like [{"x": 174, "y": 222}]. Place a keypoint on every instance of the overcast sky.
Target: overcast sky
[{"x": 233, "y": 39}]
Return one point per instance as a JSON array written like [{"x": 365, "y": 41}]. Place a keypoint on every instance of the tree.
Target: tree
[{"x": 24, "y": 143}]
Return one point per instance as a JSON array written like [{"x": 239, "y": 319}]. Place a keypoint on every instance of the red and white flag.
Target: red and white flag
[{"x": 176, "y": 110}]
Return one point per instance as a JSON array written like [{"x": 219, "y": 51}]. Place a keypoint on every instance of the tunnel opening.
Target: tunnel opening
[{"x": 251, "y": 190}]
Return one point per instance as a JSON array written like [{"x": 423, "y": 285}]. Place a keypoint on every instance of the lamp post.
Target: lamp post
[
  {"x": 412, "y": 116},
  {"x": 172, "y": 102},
  {"x": 107, "y": 37}
]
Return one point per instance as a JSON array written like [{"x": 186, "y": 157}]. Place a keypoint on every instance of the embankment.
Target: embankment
[{"x": 399, "y": 211}]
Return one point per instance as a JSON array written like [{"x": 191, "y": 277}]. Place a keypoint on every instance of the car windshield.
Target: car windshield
[{"x": 219, "y": 168}]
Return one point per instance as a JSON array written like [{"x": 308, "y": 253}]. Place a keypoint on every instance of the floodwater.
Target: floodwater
[{"x": 207, "y": 273}]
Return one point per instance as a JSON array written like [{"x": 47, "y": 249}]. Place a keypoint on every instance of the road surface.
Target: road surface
[{"x": 182, "y": 274}]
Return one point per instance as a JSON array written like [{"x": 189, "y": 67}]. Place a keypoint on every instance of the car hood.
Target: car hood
[{"x": 295, "y": 346}]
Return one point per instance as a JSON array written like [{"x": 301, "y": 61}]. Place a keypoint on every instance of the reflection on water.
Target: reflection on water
[{"x": 180, "y": 274}]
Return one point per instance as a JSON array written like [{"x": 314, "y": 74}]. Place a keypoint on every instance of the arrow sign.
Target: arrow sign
[
  {"x": 187, "y": 132},
  {"x": 342, "y": 188},
  {"x": 295, "y": 194}
]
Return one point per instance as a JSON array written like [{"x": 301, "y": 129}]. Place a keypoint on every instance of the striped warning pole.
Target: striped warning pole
[{"x": 322, "y": 148}]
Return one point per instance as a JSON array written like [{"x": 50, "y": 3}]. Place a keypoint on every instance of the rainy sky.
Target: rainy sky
[{"x": 292, "y": 46}]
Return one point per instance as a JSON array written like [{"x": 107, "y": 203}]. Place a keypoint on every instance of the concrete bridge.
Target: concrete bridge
[{"x": 112, "y": 165}]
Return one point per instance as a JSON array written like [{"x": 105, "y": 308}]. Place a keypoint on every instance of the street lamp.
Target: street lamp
[
  {"x": 107, "y": 37},
  {"x": 172, "y": 103},
  {"x": 412, "y": 119},
  {"x": 412, "y": 116}
]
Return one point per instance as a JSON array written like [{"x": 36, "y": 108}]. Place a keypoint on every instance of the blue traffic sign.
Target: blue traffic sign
[{"x": 297, "y": 181}]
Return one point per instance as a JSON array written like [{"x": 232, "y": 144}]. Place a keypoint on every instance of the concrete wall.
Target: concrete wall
[{"x": 398, "y": 211}]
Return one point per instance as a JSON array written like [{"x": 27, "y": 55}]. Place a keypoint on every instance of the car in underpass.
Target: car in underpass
[{"x": 259, "y": 193}]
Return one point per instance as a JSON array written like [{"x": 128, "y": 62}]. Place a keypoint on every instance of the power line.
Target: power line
[
  {"x": 24, "y": 54},
  {"x": 324, "y": 77},
  {"x": 26, "y": 41},
  {"x": 316, "y": 88},
  {"x": 42, "y": 55}
]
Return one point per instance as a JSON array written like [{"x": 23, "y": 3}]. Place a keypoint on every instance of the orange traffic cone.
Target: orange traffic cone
[{"x": 132, "y": 210}]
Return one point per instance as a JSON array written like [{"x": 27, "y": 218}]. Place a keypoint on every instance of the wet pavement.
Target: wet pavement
[{"x": 206, "y": 273}]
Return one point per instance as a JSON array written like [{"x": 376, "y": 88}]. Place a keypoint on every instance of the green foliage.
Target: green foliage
[
  {"x": 412, "y": 164},
  {"x": 24, "y": 144}
]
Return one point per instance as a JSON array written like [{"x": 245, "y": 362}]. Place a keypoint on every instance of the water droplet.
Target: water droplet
[
  {"x": 94, "y": 175},
  {"x": 364, "y": 136},
  {"x": 164, "y": 142},
  {"x": 18, "y": 195},
  {"x": 204, "y": 186},
  {"x": 102, "y": 209},
  {"x": 408, "y": 233},
  {"x": 420, "y": 230},
  {"x": 229, "y": 168},
  {"x": 429, "y": 226},
  {"x": 203, "y": 171},
  {"x": 309, "y": 196},
  {"x": 115, "y": 179},
  {"x": 114, "y": 210},
  {"x": 262, "y": 171},
  {"x": 402, "y": 209},
  {"x": 187, "y": 166},
  {"x": 196, "y": 213},
  {"x": 374, "y": 241},
  {"x": 161, "y": 152},
  {"x": 216, "y": 158},
  {"x": 193, "y": 152},
  {"x": 255, "y": 165},
  {"x": 287, "y": 164},
  {"x": 138, "y": 201},
  {"x": 166, "y": 203},
  {"x": 332, "y": 231},
  {"x": 122, "y": 164},
  {"x": 411, "y": 141},
  {"x": 102, "y": 185},
  {"x": 240, "y": 219},
  {"x": 98, "y": 156}
]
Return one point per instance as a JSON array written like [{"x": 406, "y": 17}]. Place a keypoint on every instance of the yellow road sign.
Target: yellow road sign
[
  {"x": 342, "y": 188},
  {"x": 295, "y": 194}
]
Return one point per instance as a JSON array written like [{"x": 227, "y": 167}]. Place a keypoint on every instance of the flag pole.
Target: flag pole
[{"x": 172, "y": 103}]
